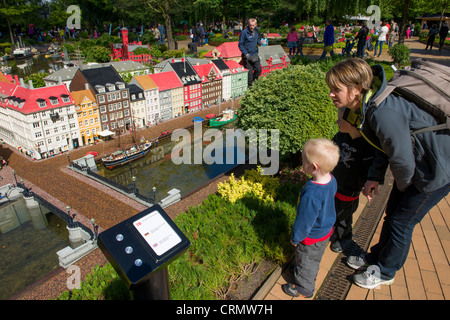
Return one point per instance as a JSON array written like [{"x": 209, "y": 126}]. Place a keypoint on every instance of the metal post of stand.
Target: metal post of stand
[{"x": 154, "y": 288}]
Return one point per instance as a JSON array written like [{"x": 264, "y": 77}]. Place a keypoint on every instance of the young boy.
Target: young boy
[
  {"x": 315, "y": 215},
  {"x": 351, "y": 174},
  {"x": 264, "y": 40}
]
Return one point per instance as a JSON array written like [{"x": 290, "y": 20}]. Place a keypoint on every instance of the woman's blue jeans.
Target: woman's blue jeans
[
  {"x": 404, "y": 211},
  {"x": 380, "y": 43}
]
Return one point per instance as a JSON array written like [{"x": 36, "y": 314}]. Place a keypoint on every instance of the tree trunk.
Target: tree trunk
[
  {"x": 404, "y": 25},
  {"x": 442, "y": 18},
  {"x": 9, "y": 26},
  {"x": 170, "y": 41}
]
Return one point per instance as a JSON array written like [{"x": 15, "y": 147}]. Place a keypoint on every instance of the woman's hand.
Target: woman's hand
[{"x": 368, "y": 187}]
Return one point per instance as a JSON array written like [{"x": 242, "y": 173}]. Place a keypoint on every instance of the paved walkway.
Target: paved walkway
[{"x": 426, "y": 273}]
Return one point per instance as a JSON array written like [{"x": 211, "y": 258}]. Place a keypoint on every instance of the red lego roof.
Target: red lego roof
[
  {"x": 166, "y": 80},
  {"x": 273, "y": 35},
  {"x": 227, "y": 50},
  {"x": 203, "y": 71},
  {"x": 233, "y": 65},
  {"x": 28, "y": 99}
]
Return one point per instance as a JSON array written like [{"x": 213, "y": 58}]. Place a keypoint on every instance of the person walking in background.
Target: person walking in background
[
  {"x": 362, "y": 39},
  {"x": 408, "y": 33},
  {"x": 292, "y": 38},
  {"x": 201, "y": 34},
  {"x": 432, "y": 36},
  {"x": 316, "y": 215},
  {"x": 328, "y": 39},
  {"x": 381, "y": 39},
  {"x": 392, "y": 35},
  {"x": 300, "y": 42},
  {"x": 162, "y": 33},
  {"x": 248, "y": 45},
  {"x": 156, "y": 34},
  {"x": 443, "y": 33}
]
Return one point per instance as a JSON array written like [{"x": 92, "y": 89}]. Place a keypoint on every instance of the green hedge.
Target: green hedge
[{"x": 293, "y": 100}]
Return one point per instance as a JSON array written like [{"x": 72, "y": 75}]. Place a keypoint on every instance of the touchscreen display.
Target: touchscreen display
[{"x": 159, "y": 235}]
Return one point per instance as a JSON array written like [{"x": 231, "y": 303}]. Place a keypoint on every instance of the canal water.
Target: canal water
[
  {"x": 35, "y": 64},
  {"x": 157, "y": 169},
  {"x": 28, "y": 245}
]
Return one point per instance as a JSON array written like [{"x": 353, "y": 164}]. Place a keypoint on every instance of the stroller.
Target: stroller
[{"x": 347, "y": 50}]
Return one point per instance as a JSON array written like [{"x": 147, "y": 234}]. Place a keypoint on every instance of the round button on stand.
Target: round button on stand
[
  {"x": 119, "y": 237},
  {"x": 138, "y": 262},
  {"x": 129, "y": 249}
]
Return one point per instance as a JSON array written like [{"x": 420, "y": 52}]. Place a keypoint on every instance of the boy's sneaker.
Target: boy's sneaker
[
  {"x": 357, "y": 262},
  {"x": 370, "y": 279},
  {"x": 291, "y": 290}
]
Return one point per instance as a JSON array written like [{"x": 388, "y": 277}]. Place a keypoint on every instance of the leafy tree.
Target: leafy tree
[
  {"x": 149, "y": 38},
  {"x": 37, "y": 79},
  {"x": 295, "y": 101},
  {"x": 98, "y": 54},
  {"x": 12, "y": 10},
  {"x": 163, "y": 7},
  {"x": 142, "y": 50}
]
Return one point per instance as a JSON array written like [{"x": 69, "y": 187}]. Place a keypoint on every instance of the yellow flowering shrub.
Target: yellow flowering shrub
[{"x": 262, "y": 187}]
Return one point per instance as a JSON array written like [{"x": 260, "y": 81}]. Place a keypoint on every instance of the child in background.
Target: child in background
[
  {"x": 316, "y": 215},
  {"x": 350, "y": 173},
  {"x": 264, "y": 41}
]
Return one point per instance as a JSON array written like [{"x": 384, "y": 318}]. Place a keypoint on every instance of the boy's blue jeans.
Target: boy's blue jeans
[{"x": 404, "y": 211}]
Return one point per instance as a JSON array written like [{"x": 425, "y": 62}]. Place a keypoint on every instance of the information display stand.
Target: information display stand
[{"x": 140, "y": 248}]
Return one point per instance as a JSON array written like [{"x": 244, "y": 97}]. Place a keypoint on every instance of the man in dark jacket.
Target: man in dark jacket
[
  {"x": 362, "y": 37},
  {"x": 248, "y": 44},
  {"x": 328, "y": 40},
  {"x": 162, "y": 33}
]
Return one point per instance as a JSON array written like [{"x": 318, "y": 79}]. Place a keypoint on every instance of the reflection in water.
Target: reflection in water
[
  {"x": 29, "y": 240},
  {"x": 34, "y": 64}
]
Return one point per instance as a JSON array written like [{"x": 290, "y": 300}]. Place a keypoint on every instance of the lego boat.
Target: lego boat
[
  {"x": 122, "y": 157},
  {"x": 227, "y": 117}
]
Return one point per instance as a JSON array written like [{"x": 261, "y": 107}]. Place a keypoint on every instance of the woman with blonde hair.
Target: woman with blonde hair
[{"x": 420, "y": 163}]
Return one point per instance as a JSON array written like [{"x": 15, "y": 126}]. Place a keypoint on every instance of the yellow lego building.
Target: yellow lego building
[{"x": 88, "y": 116}]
